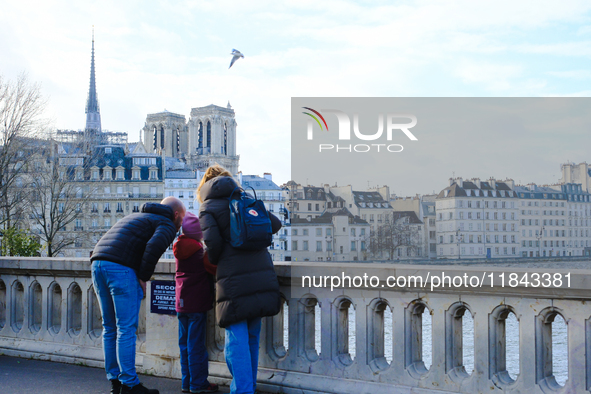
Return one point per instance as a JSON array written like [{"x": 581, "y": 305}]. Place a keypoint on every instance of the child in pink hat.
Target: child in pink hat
[{"x": 194, "y": 297}]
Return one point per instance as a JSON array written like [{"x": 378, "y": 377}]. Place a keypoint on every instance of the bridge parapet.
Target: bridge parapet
[{"x": 48, "y": 310}]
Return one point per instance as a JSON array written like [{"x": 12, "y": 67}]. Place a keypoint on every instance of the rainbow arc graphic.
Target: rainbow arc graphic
[{"x": 315, "y": 118}]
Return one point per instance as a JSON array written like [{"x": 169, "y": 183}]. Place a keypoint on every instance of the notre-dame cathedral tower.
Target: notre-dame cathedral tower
[{"x": 208, "y": 138}]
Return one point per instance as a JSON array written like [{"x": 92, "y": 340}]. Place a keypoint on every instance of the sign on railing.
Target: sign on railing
[{"x": 162, "y": 297}]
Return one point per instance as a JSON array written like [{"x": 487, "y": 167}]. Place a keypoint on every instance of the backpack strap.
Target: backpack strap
[
  {"x": 254, "y": 191},
  {"x": 231, "y": 194},
  {"x": 238, "y": 187}
]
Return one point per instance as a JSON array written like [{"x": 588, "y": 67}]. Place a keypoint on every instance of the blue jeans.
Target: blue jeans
[
  {"x": 242, "y": 354},
  {"x": 120, "y": 296},
  {"x": 194, "y": 364}
]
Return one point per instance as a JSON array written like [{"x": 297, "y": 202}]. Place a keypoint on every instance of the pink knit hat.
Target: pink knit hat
[{"x": 191, "y": 226}]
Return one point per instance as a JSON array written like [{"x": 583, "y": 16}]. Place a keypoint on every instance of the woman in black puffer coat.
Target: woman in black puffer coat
[{"x": 246, "y": 289}]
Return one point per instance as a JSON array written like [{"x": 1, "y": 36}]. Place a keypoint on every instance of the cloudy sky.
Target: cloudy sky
[{"x": 155, "y": 55}]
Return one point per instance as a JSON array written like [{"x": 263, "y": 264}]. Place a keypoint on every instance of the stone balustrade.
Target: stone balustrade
[{"x": 48, "y": 310}]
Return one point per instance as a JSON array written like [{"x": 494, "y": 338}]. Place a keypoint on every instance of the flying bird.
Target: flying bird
[{"x": 237, "y": 55}]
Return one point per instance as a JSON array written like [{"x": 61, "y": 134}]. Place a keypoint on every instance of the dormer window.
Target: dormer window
[
  {"x": 107, "y": 174},
  {"x": 120, "y": 174},
  {"x": 144, "y": 161},
  {"x": 108, "y": 150}
]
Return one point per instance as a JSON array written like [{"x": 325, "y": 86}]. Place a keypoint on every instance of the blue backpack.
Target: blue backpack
[{"x": 250, "y": 224}]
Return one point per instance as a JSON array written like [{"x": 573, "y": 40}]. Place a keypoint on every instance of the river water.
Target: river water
[{"x": 559, "y": 341}]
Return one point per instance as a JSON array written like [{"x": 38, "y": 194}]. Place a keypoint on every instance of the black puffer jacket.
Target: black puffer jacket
[
  {"x": 138, "y": 240},
  {"x": 247, "y": 285}
]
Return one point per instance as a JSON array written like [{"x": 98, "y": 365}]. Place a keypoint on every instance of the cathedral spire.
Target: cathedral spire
[{"x": 93, "y": 116}]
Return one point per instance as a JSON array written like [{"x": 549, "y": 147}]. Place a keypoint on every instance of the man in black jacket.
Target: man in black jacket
[{"x": 122, "y": 262}]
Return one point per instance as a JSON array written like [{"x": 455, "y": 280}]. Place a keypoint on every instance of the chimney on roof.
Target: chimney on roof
[
  {"x": 451, "y": 181},
  {"x": 510, "y": 182},
  {"x": 267, "y": 175},
  {"x": 476, "y": 181},
  {"x": 493, "y": 183},
  {"x": 460, "y": 182}
]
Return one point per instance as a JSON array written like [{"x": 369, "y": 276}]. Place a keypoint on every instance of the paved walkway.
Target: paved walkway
[{"x": 24, "y": 376}]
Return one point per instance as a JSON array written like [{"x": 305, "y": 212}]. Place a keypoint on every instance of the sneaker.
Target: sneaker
[
  {"x": 115, "y": 386},
  {"x": 138, "y": 389},
  {"x": 212, "y": 388}
]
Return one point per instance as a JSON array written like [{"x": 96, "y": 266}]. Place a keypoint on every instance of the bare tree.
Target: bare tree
[
  {"x": 399, "y": 231},
  {"x": 58, "y": 198},
  {"x": 21, "y": 107}
]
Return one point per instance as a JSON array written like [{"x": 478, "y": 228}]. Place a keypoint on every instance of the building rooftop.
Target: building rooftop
[
  {"x": 326, "y": 218},
  {"x": 411, "y": 215},
  {"x": 477, "y": 188},
  {"x": 334, "y": 198},
  {"x": 180, "y": 174},
  {"x": 258, "y": 183},
  {"x": 312, "y": 193},
  {"x": 370, "y": 200}
]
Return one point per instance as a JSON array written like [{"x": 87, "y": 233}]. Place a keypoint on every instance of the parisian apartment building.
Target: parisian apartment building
[
  {"x": 495, "y": 219},
  {"x": 111, "y": 181},
  {"x": 477, "y": 218},
  {"x": 424, "y": 207},
  {"x": 555, "y": 220},
  {"x": 365, "y": 219},
  {"x": 332, "y": 236}
]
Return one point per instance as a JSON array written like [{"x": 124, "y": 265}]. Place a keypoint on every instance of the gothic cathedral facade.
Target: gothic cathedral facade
[{"x": 209, "y": 137}]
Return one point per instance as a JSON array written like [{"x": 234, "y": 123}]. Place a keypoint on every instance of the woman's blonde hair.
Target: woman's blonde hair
[{"x": 212, "y": 172}]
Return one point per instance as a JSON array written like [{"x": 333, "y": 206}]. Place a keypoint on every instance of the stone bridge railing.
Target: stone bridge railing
[{"x": 48, "y": 310}]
